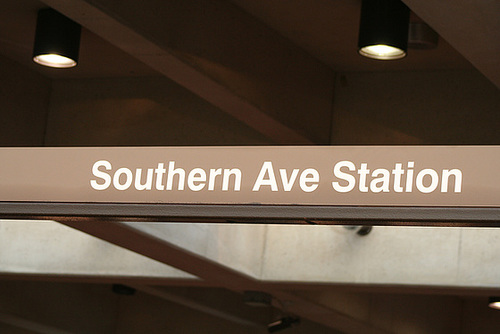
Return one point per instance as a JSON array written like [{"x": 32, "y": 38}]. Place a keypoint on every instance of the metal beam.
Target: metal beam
[
  {"x": 163, "y": 251},
  {"x": 258, "y": 214}
]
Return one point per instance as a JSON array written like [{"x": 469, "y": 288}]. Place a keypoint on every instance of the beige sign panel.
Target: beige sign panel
[{"x": 353, "y": 176}]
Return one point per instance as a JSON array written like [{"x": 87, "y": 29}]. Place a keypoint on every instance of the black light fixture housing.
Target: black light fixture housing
[
  {"x": 383, "y": 29},
  {"x": 57, "y": 40}
]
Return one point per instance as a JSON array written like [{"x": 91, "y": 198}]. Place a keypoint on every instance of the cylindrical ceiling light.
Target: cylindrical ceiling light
[
  {"x": 57, "y": 40},
  {"x": 383, "y": 29}
]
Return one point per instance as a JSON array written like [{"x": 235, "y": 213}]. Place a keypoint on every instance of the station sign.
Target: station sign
[{"x": 400, "y": 176}]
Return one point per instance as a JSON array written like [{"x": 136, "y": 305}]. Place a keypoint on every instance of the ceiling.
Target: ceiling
[
  {"x": 328, "y": 30},
  {"x": 325, "y": 29},
  {"x": 239, "y": 64},
  {"x": 113, "y": 45}
]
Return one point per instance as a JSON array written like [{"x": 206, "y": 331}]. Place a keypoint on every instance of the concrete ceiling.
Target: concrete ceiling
[
  {"x": 240, "y": 63},
  {"x": 129, "y": 38},
  {"x": 326, "y": 29}
]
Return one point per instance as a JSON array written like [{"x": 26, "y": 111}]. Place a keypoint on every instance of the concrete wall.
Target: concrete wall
[
  {"x": 77, "y": 308},
  {"x": 398, "y": 313},
  {"x": 138, "y": 111},
  {"x": 416, "y": 108},
  {"x": 82, "y": 308},
  {"x": 411, "y": 108}
]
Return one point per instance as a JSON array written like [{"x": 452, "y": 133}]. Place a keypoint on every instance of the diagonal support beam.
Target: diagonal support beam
[
  {"x": 223, "y": 55},
  {"x": 163, "y": 251},
  {"x": 470, "y": 26},
  {"x": 29, "y": 325}
]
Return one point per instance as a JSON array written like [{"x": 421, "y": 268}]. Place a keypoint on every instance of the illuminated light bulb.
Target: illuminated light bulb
[
  {"x": 382, "y": 52},
  {"x": 54, "y": 60},
  {"x": 494, "y": 302}
]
